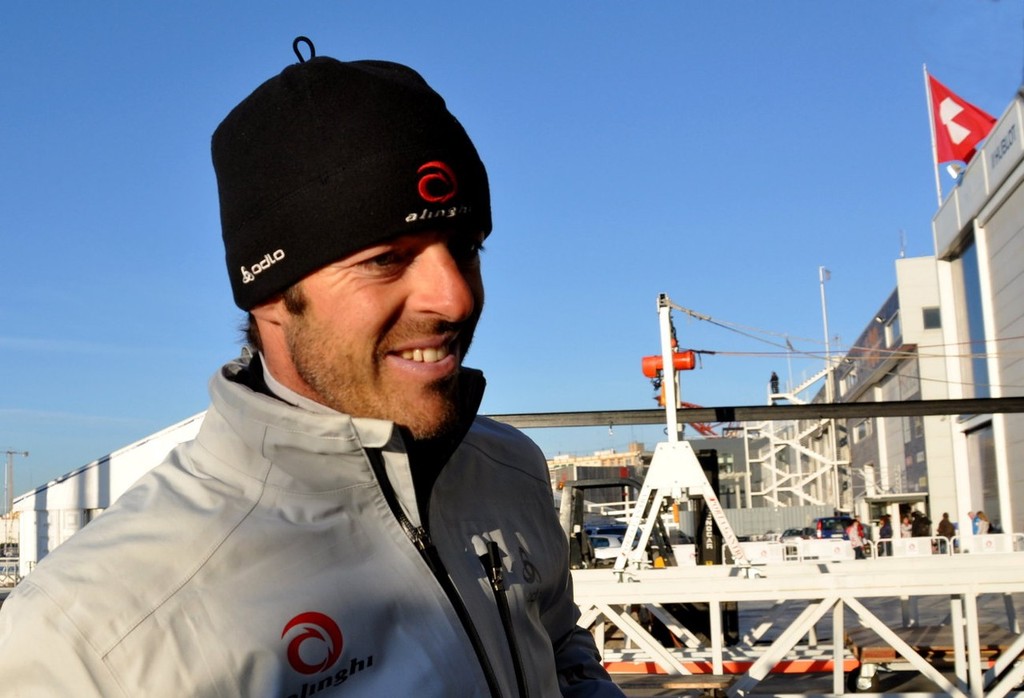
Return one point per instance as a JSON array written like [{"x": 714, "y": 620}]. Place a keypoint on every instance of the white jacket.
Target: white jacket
[{"x": 264, "y": 559}]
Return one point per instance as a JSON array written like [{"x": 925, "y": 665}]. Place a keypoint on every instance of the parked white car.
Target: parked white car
[
  {"x": 795, "y": 535},
  {"x": 606, "y": 545}
]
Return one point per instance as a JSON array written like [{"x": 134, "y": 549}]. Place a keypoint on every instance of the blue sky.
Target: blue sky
[{"x": 719, "y": 152}]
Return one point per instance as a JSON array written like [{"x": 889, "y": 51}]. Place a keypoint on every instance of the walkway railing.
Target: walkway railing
[
  {"x": 795, "y": 616},
  {"x": 9, "y": 576},
  {"x": 984, "y": 544}
]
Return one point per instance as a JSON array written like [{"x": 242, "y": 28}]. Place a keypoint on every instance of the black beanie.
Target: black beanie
[{"x": 330, "y": 157}]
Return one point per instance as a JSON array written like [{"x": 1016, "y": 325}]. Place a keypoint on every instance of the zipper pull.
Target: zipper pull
[
  {"x": 420, "y": 538},
  {"x": 491, "y": 560}
]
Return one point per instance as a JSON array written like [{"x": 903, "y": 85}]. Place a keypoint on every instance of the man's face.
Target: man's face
[{"x": 384, "y": 330}]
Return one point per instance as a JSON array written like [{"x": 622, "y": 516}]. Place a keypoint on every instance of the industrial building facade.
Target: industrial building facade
[
  {"x": 953, "y": 328},
  {"x": 979, "y": 245}
]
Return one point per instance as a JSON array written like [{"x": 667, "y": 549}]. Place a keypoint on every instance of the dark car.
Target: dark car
[
  {"x": 613, "y": 529},
  {"x": 832, "y": 526}
]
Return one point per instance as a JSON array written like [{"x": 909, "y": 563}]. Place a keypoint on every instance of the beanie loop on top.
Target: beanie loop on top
[{"x": 307, "y": 42}]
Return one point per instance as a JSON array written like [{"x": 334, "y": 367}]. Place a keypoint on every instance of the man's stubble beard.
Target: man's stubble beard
[{"x": 347, "y": 384}]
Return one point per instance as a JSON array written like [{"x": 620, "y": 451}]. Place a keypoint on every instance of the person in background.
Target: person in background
[
  {"x": 885, "y": 535},
  {"x": 945, "y": 527},
  {"x": 920, "y": 525},
  {"x": 855, "y": 533},
  {"x": 982, "y": 525},
  {"x": 344, "y": 523}
]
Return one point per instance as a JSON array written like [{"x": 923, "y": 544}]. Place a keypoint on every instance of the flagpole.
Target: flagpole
[{"x": 931, "y": 128}]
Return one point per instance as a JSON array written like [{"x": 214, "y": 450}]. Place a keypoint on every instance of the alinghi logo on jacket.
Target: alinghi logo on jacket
[{"x": 315, "y": 645}]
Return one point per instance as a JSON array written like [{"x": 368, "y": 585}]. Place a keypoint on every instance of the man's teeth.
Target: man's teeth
[{"x": 427, "y": 356}]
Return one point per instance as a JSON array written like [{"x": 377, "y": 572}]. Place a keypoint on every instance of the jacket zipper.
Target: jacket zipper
[
  {"x": 491, "y": 561},
  {"x": 428, "y": 551}
]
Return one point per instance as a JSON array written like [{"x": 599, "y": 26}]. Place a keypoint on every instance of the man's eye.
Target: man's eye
[
  {"x": 384, "y": 261},
  {"x": 467, "y": 250}
]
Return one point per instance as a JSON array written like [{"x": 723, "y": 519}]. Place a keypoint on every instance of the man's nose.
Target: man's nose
[{"x": 443, "y": 286}]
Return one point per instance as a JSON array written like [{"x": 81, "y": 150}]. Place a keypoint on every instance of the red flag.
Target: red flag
[{"x": 959, "y": 125}]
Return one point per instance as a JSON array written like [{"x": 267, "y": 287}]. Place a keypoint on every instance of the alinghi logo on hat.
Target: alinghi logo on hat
[{"x": 437, "y": 183}]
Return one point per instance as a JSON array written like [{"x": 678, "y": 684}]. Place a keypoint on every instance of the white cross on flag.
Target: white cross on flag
[{"x": 959, "y": 125}]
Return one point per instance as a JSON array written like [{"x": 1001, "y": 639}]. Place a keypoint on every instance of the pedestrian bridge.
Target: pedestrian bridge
[{"x": 798, "y": 614}]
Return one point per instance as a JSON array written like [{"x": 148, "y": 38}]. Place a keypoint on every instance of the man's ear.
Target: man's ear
[{"x": 271, "y": 312}]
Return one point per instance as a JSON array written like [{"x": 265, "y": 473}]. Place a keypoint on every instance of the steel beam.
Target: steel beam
[{"x": 841, "y": 410}]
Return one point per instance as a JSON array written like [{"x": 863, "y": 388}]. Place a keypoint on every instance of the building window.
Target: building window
[
  {"x": 862, "y": 430},
  {"x": 981, "y": 457},
  {"x": 893, "y": 332},
  {"x": 932, "y": 318},
  {"x": 977, "y": 362},
  {"x": 850, "y": 381},
  {"x": 909, "y": 380}
]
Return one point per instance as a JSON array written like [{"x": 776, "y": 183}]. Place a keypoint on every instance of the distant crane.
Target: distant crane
[
  {"x": 654, "y": 368},
  {"x": 675, "y": 471},
  {"x": 9, "y": 480}
]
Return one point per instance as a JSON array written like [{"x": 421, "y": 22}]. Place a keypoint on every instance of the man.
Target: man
[
  {"x": 920, "y": 525},
  {"x": 885, "y": 535},
  {"x": 945, "y": 528},
  {"x": 343, "y": 524}
]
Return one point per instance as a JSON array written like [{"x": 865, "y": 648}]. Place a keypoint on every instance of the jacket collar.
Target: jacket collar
[{"x": 297, "y": 442}]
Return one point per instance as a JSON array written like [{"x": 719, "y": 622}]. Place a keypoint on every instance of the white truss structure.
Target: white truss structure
[
  {"x": 796, "y": 599},
  {"x": 798, "y": 615},
  {"x": 798, "y": 463}
]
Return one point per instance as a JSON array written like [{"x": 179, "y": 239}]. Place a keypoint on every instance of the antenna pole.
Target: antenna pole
[{"x": 9, "y": 480}]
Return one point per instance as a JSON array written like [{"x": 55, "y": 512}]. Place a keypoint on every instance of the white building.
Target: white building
[
  {"x": 50, "y": 514},
  {"x": 900, "y": 356},
  {"x": 953, "y": 328},
  {"x": 979, "y": 242}
]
